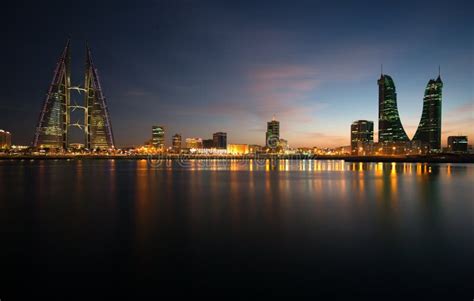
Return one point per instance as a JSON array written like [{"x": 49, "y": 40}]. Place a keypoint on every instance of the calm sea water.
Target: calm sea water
[{"x": 230, "y": 228}]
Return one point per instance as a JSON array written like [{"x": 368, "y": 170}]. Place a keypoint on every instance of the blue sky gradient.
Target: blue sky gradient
[{"x": 199, "y": 67}]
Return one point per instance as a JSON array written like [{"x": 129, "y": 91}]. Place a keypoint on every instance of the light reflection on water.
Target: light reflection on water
[{"x": 324, "y": 214}]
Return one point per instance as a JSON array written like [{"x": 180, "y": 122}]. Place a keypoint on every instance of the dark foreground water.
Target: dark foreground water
[{"x": 236, "y": 229}]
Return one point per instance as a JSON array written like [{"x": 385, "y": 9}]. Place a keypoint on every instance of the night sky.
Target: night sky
[{"x": 199, "y": 67}]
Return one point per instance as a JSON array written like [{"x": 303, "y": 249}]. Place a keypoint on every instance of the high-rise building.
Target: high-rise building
[
  {"x": 158, "y": 137},
  {"x": 220, "y": 140},
  {"x": 176, "y": 143},
  {"x": 207, "y": 143},
  {"x": 362, "y": 137},
  {"x": 193, "y": 143},
  {"x": 52, "y": 130},
  {"x": 5, "y": 140},
  {"x": 429, "y": 129},
  {"x": 52, "y": 127},
  {"x": 99, "y": 133},
  {"x": 272, "y": 136},
  {"x": 457, "y": 144},
  {"x": 390, "y": 126}
]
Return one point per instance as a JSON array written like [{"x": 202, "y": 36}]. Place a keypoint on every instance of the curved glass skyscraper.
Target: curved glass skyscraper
[
  {"x": 390, "y": 126},
  {"x": 429, "y": 129}
]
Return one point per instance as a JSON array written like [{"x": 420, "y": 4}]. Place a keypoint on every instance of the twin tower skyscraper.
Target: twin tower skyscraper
[
  {"x": 428, "y": 134},
  {"x": 53, "y": 127}
]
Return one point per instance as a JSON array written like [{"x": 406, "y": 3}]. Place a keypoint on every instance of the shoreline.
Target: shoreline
[{"x": 439, "y": 158}]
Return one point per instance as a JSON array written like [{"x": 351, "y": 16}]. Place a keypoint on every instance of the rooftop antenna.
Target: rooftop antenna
[
  {"x": 381, "y": 69},
  {"x": 439, "y": 70}
]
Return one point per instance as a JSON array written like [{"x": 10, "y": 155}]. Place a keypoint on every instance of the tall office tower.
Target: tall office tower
[
  {"x": 158, "y": 137},
  {"x": 429, "y": 129},
  {"x": 52, "y": 127},
  {"x": 362, "y": 137},
  {"x": 176, "y": 143},
  {"x": 52, "y": 130},
  {"x": 220, "y": 140},
  {"x": 272, "y": 136},
  {"x": 390, "y": 126},
  {"x": 99, "y": 133},
  {"x": 5, "y": 140}
]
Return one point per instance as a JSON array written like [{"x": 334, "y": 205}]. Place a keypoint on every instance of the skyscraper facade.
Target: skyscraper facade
[
  {"x": 158, "y": 137},
  {"x": 272, "y": 135},
  {"x": 390, "y": 126},
  {"x": 177, "y": 141},
  {"x": 53, "y": 124},
  {"x": 362, "y": 137},
  {"x": 428, "y": 133},
  {"x": 99, "y": 133},
  {"x": 220, "y": 140},
  {"x": 52, "y": 130},
  {"x": 5, "y": 140}
]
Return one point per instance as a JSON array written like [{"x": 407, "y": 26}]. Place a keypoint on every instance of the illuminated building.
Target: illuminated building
[
  {"x": 208, "y": 143},
  {"x": 362, "y": 137},
  {"x": 99, "y": 133},
  {"x": 457, "y": 144},
  {"x": 193, "y": 143},
  {"x": 52, "y": 130},
  {"x": 237, "y": 149},
  {"x": 220, "y": 140},
  {"x": 176, "y": 143},
  {"x": 158, "y": 137},
  {"x": 429, "y": 129},
  {"x": 5, "y": 140},
  {"x": 76, "y": 146},
  {"x": 253, "y": 148},
  {"x": 390, "y": 126},
  {"x": 283, "y": 143},
  {"x": 272, "y": 135}
]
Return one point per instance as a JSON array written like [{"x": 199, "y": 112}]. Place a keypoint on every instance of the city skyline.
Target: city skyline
[{"x": 293, "y": 69}]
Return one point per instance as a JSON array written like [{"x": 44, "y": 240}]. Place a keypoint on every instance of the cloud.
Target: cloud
[{"x": 283, "y": 90}]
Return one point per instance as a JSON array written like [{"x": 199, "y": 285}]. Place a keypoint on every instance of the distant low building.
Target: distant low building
[
  {"x": 284, "y": 144},
  {"x": 237, "y": 149},
  {"x": 342, "y": 150},
  {"x": 253, "y": 148},
  {"x": 457, "y": 144},
  {"x": 76, "y": 146},
  {"x": 5, "y": 140},
  {"x": 193, "y": 143},
  {"x": 207, "y": 143},
  {"x": 220, "y": 140}
]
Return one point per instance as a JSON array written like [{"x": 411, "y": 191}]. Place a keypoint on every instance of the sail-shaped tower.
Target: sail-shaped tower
[
  {"x": 390, "y": 126},
  {"x": 52, "y": 130},
  {"x": 99, "y": 133},
  {"x": 428, "y": 133},
  {"x": 52, "y": 127}
]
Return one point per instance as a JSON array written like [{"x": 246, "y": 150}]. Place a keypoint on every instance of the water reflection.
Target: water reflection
[{"x": 208, "y": 216}]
